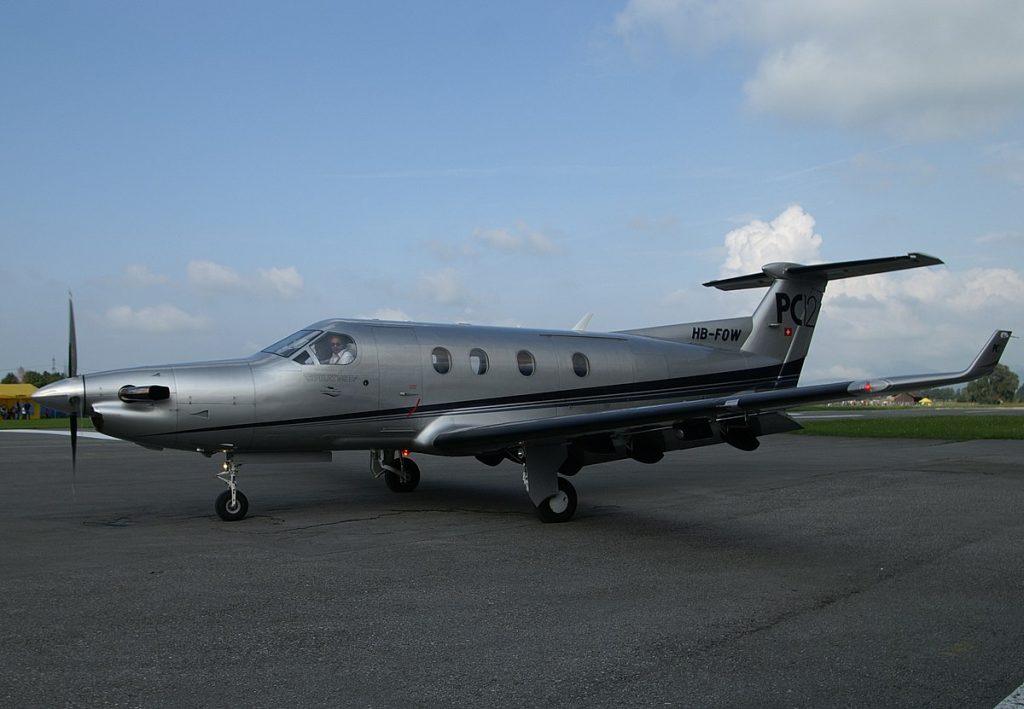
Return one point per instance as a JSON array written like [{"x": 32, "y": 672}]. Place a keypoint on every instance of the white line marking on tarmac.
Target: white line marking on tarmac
[
  {"x": 81, "y": 434},
  {"x": 1014, "y": 701},
  {"x": 826, "y": 416}
]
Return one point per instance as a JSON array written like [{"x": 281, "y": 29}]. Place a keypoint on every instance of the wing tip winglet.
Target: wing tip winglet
[{"x": 990, "y": 354}]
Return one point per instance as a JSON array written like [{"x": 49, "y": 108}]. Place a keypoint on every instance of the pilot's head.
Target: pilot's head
[{"x": 337, "y": 344}]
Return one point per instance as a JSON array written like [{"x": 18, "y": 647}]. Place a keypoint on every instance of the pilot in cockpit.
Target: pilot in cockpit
[{"x": 341, "y": 351}]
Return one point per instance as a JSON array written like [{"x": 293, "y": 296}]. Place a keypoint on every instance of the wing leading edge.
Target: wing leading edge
[{"x": 495, "y": 436}]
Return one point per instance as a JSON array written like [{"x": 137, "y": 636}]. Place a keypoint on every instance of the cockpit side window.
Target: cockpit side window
[
  {"x": 293, "y": 343},
  {"x": 335, "y": 348}
]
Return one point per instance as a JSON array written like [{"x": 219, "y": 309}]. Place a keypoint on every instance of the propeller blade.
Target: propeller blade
[
  {"x": 73, "y": 371},
  {"x": 74, "y": 449},
  {"x": 72, "y": 344}
]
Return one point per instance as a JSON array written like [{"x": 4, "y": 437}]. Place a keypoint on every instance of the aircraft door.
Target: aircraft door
[{"x": 401, "y": 379}]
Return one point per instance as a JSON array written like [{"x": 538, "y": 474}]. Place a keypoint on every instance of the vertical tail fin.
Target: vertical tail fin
[{"x": 784, "y": 321}]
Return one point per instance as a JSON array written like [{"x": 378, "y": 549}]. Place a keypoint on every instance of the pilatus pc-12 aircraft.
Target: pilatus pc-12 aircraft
[{"x": 551, "y": 401}]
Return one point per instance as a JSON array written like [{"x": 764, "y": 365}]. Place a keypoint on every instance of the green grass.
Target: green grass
[
  {"x": 83, "y": 424},
  {"x": 947, "y": 428}
]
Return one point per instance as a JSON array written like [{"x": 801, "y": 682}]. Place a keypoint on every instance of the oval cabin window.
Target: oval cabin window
[
  {"x": 580, "y": 364},
  {"x": 441, "y": 359},
  {"x": 526, "y": 363},
  {"x": 477, "y": 360}
]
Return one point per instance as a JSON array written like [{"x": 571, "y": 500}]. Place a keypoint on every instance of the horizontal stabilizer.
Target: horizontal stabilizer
[{"x": 824, "y": 271}]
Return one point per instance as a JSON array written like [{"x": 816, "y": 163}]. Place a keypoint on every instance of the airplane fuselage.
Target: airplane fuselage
[{"x": 405, "y": 376}]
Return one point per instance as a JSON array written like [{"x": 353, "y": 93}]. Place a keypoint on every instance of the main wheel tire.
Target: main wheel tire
[
  {"x": 412, "y": 476},
  {"x": 231, "y": 512},
  {"x": 559, "y": 507}
]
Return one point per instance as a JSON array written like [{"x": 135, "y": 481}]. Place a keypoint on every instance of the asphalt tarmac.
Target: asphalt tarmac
[{"x": 812, "y": 572}]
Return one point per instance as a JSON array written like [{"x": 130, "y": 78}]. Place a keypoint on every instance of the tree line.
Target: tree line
[
  {"x": 1000, "y": 387},
  {"x": 30, "y": 376}
]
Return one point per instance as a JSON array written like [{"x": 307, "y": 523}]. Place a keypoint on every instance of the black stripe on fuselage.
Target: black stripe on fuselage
[{"x": 697, "y": 386}]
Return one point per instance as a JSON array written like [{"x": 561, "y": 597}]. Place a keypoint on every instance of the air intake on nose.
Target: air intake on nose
[{"x": 130, "y": 394}]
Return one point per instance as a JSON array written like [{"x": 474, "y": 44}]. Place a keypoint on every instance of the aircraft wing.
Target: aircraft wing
[{"x": 559, "y": 428}]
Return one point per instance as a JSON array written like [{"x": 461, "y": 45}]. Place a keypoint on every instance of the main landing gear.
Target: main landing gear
[
  {"x": 552, "y": 496},
  {"x": 401, "y": 474},
  {"x": 231, "y": 504}
]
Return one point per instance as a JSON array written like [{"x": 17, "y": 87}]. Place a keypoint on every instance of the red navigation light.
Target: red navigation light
[
  {"x": 788, "y": 332},
  {"x": 405, "y": 452},
  {"x": 867, "y": 386}
]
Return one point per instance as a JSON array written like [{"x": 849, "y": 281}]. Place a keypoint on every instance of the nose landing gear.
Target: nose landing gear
[
  {"x": 401, "y": 474},
  {"x": 231, "y": 505}
]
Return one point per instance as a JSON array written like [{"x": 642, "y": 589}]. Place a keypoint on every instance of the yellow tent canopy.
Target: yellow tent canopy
[{"x": 12, "y": 395}]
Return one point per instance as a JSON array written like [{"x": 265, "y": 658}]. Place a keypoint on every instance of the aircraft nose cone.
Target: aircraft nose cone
[{"x": 65, "y": 395}]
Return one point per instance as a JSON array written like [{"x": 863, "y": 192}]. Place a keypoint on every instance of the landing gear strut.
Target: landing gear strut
[
  {"x": 231, "y": 504},
  {"x": 552, "y": 496},
  {"x": 401, "y": 474}
]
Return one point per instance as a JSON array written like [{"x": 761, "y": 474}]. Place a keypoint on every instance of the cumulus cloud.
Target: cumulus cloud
[
  {"x": 517, "y": 239},
  {"x": 159, "y": 318},
  {"x": 139, "y": 275},
  {"x": 444, "y": 287},
  {"x": 285, "y": 282},
  {"x": 788, "y": 237},
  {"x": 212, "y": 276},
  {"x": 281, "y": 282},
  {"x": 520, "y": 239},
  {"x": 931, "y": 317},
  {"x": 942, "y": 68},
  {"x": 387, "y": 314}
]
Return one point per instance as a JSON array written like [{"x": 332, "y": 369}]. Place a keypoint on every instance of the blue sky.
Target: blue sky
[{"x": 208, "y": 177}]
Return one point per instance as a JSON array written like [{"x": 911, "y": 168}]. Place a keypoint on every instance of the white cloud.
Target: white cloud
[
  {"x": 286, "y": 282},
  {"x": 788, "y": 237},
  {"x": 138, "y": 274},
  {"x": 1001, "y": 237},
  {"x": 444, "y": 287},
  {"x": 517, "y": 239},
  {"x": 159, "y": 318},
  {"x": 930, "y": 319},
  {"x": 387, "y": 314},
  {"x": 274, "y": 281},
  {"x": 212, "y": 276},
  {"x": 942, "y": 68}
]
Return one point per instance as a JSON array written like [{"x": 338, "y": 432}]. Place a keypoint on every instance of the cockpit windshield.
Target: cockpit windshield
[{"x": 293, "y": 343}]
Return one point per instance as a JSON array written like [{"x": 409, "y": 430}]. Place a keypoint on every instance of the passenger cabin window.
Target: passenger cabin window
[
  {"x": 441, "y": 359},
  {"x": 526, "y": 363},
  {"x": 334, "y": 348},
  {"x": 478, "y": 360},
  {"x": 580, "y": 364}
]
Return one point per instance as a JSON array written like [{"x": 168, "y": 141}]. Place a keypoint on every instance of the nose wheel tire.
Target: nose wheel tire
[
  {"x": 231, "y": 511},
  {"x": 411, "y": 473},
  {"x": 561, "y": 506}
]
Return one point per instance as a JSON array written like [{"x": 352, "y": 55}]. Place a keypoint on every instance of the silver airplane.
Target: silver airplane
[{"x": 551, "y": 401}]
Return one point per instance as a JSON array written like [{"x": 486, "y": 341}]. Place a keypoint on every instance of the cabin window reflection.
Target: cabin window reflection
[
  {"x": 580, "y": 364},
  {"x": 478, "y": 360},
  {"x": 526, "y": 363},
  {"x": 441, "y": 359}
]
